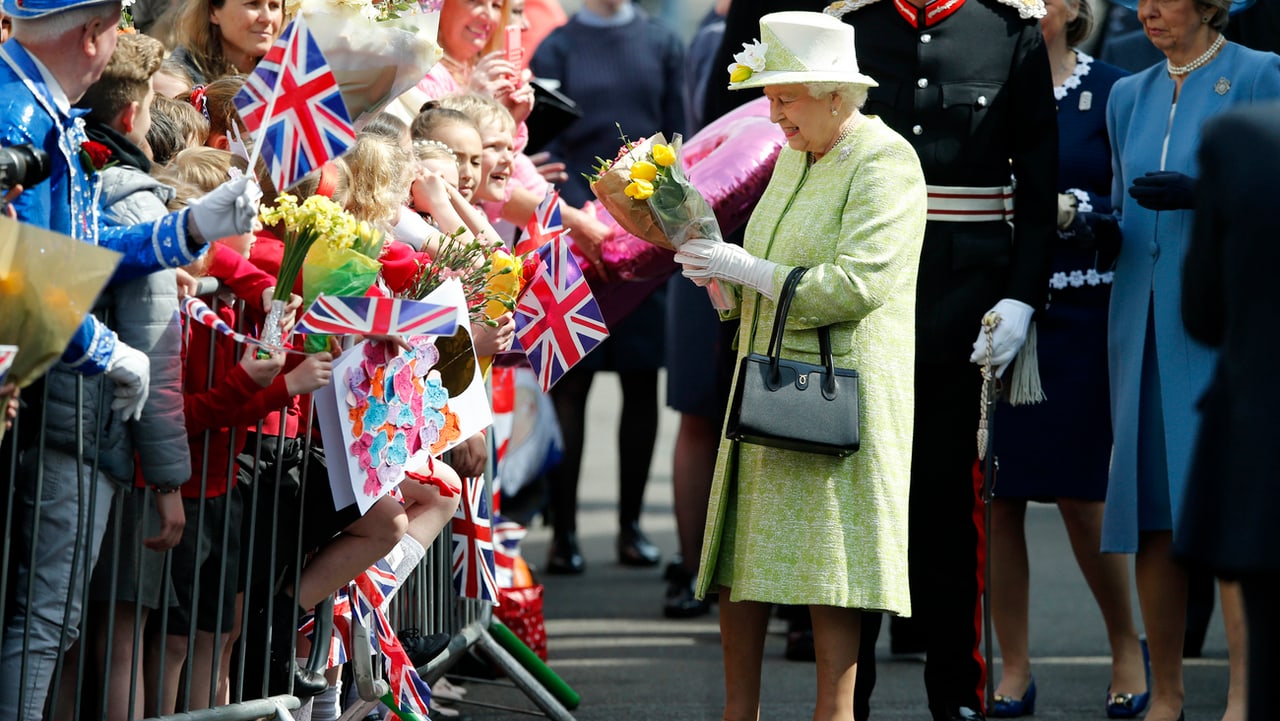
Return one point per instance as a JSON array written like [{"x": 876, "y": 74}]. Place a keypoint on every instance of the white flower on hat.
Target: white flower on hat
[{"x": 750, "y": 60}]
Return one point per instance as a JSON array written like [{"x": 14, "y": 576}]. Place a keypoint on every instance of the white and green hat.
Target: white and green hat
[{"x": 798, "y": 47}]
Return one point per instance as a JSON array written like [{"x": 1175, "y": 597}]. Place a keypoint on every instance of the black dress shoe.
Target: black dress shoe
[
  {"x": 422, "y": 649},
  {"x": 681, "y": 601},
  {"x": 564, "y": 557},
  {"x": 305, "y": 683},
  {"x": 634, "y": 549}
]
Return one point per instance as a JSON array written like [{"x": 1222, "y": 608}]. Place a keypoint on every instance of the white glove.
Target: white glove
[
  {"x": 1007, "y": 338},
  {"x": 227, "y": 210},
  {"x": 130, "y": 369},
  {"x": 704, "y": 259}
]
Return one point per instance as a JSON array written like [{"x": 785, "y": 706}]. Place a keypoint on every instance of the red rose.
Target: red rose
[
  {"x": 99, "y": 154},
  {"x": 530, "y": 268}
]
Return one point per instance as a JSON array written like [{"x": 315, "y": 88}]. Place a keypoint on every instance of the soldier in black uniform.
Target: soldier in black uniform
[{"x": 967, "y": 82}]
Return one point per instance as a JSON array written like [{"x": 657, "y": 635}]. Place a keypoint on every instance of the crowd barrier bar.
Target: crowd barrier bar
[{"x": 427, "y": 600}]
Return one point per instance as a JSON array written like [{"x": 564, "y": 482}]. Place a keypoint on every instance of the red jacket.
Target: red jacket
[{"x": 219, "y": 396}]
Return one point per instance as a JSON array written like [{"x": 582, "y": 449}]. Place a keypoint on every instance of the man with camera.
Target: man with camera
[{"x": 57, "y": 50}]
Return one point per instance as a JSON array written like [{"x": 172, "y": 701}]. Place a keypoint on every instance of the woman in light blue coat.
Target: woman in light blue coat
[{"x": 1157, "y": 371}]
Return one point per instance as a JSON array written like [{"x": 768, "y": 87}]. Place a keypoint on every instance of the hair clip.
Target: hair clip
[
  {"x": 200, "y": 100},
  {"x": 430, "y": 142}
]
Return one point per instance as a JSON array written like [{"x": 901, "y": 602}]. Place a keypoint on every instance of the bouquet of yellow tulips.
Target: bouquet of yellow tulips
[
  {"x": 647, "y": 192},
  {"x": 301, "y": 226}
]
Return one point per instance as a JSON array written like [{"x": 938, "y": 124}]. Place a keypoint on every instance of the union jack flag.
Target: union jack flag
[
  {"x": 544, "y": 225},
  {"x": 409, "y": 695},
  {"x": 341, "y": 635},
  {"x": 558, "y": 321},
  {"x": 200, "y": 312},
  {"x": 332, "y": 315},
  {"x": 506, "y": 549},
  {"x": 473, "y": 569},
  {"x": 7, "y": 354},
  {"x": 293, "y": 108}
]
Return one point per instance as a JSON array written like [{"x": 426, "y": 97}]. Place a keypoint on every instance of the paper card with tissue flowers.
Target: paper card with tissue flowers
[{"x": 389, "y": 411}]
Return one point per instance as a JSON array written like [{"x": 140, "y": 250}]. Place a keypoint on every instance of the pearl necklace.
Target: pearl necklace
[
  {"x": 848, "y": 128},
  {"x": 1206, "y": 57}
]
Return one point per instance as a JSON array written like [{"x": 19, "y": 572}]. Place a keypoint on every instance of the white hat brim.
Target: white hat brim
[{"x": 802, "y": 77}]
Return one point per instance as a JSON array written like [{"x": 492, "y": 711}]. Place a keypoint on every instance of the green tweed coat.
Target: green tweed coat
[{"x": 799, "y": 528}]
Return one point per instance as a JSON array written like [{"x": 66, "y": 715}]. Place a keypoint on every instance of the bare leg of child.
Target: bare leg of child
[
  {"x": 428, "y": 507},
  {"x": 351, "y": 552}
]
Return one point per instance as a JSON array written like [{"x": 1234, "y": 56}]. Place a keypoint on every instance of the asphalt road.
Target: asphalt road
[{"x": 607, "y": 637}]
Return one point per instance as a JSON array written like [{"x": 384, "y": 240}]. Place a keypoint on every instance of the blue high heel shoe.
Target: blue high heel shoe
[
  {"x": 1010, "y": 707},
  {"x": 1129, "y": 705}
]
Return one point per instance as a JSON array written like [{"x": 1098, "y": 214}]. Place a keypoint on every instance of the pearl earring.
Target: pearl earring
[{"x": 834, "y": 112}]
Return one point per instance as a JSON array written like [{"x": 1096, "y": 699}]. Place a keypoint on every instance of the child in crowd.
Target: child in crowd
[
  {"x": 497, "y": 141},
  {"x": 435, "y": 157},
  {"x": 175, "y": 126},
  {"x": 172, "y": 79},
  {"x": 206, "y": 563},
  {"x": 458, "y": 131},
  {"x": 216, "y": 102},
  {"x": 143, "y": 311},
  {"x": 435, "y": 195}
]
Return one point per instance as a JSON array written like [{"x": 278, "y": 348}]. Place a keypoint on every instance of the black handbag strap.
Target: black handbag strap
[{"x": 779, "y": 324}]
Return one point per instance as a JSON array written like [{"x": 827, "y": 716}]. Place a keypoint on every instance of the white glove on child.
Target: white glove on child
[
  {"x": 227, "y": 210},
  {"x": 1007, "y": 338},
  {"x": 130, "y": 369},
  {"x": 704, "y": 259}
]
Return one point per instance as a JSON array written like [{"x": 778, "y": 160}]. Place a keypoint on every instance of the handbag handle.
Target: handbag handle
[{"x": 779, "y": 323}]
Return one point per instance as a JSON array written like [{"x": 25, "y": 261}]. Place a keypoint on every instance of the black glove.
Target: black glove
[{"x": 1164, "y": 190}]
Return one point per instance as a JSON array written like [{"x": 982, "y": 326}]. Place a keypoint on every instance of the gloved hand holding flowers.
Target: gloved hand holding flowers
[{"x": 646, "y": 191}]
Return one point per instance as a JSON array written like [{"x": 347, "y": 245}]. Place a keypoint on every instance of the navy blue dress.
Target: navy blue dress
[{"x": 1061, "y": 447}]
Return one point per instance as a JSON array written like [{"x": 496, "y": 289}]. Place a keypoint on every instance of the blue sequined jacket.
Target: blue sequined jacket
[{"x": 67, "y": 201}]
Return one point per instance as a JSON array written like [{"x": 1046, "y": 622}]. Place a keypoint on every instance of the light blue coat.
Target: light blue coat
[{"x": 1148, "y": 272}]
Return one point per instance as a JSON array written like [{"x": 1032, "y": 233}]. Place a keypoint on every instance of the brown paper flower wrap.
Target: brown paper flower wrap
[
  {"x": 610, "y": 185},
  {"x": 646, "y": 191}
]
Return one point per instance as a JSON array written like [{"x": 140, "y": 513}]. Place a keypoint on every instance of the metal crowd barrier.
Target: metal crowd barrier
[{"x": 87, "y": 653}]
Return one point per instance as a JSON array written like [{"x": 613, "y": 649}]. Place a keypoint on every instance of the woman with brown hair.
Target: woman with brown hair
[{"x": 217, "y": 38}]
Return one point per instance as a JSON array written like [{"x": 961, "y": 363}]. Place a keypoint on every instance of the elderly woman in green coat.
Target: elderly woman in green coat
[{"x": 847, "y": 201}]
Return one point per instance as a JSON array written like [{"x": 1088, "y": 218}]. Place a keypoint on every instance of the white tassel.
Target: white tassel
[{"x": 1024, "y": 385}]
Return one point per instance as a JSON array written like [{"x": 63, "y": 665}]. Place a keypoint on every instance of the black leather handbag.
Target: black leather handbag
[{"x": 794, "y": 405}]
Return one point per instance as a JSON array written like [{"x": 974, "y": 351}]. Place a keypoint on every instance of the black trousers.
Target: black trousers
[{"x": 944, "y": 534}]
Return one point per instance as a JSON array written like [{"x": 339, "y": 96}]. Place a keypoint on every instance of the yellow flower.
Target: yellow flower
[
  {"x": 739, "y": 73},
  {"x": 639, "y": 189},
  {"x": 644, "y": 170},
  {"x": 663, "y": 155},
  {"x": 503, "y": 283}
]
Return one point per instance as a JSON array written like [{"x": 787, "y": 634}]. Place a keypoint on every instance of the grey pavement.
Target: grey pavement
[{"x": 607, "y": 637}]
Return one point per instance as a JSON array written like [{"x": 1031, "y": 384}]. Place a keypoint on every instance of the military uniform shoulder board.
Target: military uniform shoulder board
[
  {"x": 1027, "y": 9},
  {"x": 840, "y": 8}
]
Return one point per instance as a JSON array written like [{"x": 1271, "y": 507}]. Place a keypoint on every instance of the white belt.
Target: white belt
[{"x": 958, "y": 204}]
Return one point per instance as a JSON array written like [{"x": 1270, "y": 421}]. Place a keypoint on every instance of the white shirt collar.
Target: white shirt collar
[{"x": 55, "y": 88}]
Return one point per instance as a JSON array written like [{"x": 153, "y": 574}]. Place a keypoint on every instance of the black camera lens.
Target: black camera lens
[{"x": 23, "y": 164}]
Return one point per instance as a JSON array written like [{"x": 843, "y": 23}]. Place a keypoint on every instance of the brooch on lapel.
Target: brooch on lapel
[
  {"x": 1222, "y": 86},
  {"x": 1086, "y": 101}
]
